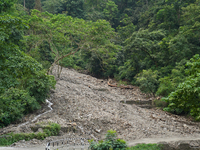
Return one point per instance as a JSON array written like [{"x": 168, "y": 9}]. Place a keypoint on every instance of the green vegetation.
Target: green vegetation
[
  {"x": 148, "y": 81},
  {"x": 185, "y": 99},
  {"x": 23, "y": 81},
  {"x": 152, "y": 44},
  {"x": 50, "y": 130},
  {"x": 145, "y": 147},
  {"x": 112, "y": 143}
]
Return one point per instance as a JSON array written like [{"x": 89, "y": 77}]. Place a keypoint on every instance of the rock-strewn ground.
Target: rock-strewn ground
[{"x": 88, "y": 106}]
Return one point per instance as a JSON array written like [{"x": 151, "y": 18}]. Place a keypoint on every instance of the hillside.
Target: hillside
[{"x": 88, "y": 106}]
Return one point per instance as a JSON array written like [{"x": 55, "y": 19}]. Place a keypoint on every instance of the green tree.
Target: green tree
[
  {"x": 66, "y": 36},
  {"x": 73, "y": 8},
  {"x": 185, "y": 99},
  {"x": 110, "y": 11},
  {"x": 142, "y": 51},
  {"x": 52, "y": 6},
  {"x": 38, "y": 5},
  {"x": 5, "y": 5},
  {"x": 23, "y": 82},
  {"x": 170, "y": 82}
]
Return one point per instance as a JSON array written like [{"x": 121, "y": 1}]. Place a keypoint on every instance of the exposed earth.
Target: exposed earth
[{"x": 87, "y": 107}]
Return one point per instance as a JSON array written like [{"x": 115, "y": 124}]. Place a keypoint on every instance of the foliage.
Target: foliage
[
  {"x": 14, "y": 103},
  {"x": 52, "y": 6},
  {"x": 38, "y": 5},
  {"x": 65, "y": 36},
  {"x": 185, "y": 99},
  {"x": 148, "y": 81},
  {"x": 5, "y": 5},
  {"x": 126, "y": 29},
  {"x": 73, "y": 8},
  {"x": 29, "y": 4},
  {"x": 49, "y": 130},
  {"x": 145, "y": 147},
  {"x": 110, "y": 11},
  {"x": 23, "y": 82},
  {"x": 142, "y": 51},
  {"x": 169, "y": 83},
  {"x": 110, "y": 142}
]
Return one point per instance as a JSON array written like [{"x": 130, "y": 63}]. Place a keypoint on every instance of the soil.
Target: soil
[{"x": 87, "y": 107}]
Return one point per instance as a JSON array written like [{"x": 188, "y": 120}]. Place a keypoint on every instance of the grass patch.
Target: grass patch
[
  {"x": 145, "y": 147},
  {"x": 50, "y": 130}
]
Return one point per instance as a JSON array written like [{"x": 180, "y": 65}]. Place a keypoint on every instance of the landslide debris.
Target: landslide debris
[{"x": 85, "y": 106}]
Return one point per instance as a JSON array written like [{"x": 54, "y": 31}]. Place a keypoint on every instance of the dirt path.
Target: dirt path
[{"x": 92, "y": 107}]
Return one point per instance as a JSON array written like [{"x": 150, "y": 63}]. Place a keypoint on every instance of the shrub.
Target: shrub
[
  {"x": 185, "y": 99},
  {"x": 52, "y": 129},
  {"x": 148, "y": 81},
  {"x": 14, "y": 103},
  {"x": 169, "y": 83},
  {"x": 165, "y": 86},
  {"x": 110, "y": 142}
]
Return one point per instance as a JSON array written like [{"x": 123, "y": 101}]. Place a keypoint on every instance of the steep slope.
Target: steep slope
[{"x": 87, "y": 107}]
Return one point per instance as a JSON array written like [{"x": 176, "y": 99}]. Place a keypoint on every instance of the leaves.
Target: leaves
[
  {"x": 148, "y": 81},
  {"x": 23, "y": 82},
  {"x": 110, "y": 142},
  {"x": 66, "y": 36},
  {"x": 186, "y": 96}
]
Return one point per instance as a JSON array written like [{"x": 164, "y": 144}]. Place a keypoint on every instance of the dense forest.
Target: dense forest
[{"x": 154, "y": 44}]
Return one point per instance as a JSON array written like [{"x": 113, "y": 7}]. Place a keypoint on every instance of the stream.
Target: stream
[{"x": 36, "y": 117}]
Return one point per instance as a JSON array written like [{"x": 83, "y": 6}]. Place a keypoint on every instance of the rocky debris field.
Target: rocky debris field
[{"x": 87, "y": 107}]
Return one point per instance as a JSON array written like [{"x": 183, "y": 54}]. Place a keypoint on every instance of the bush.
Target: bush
[
  {"x": 169, "y": 83},
  {"x": 148, "y": 81},
  {"x": 14, "y": 103},
  {"x": 110, "y": 142},
  {"x": 185, "y": 99},
  {"x": 165, "y": 87}
]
